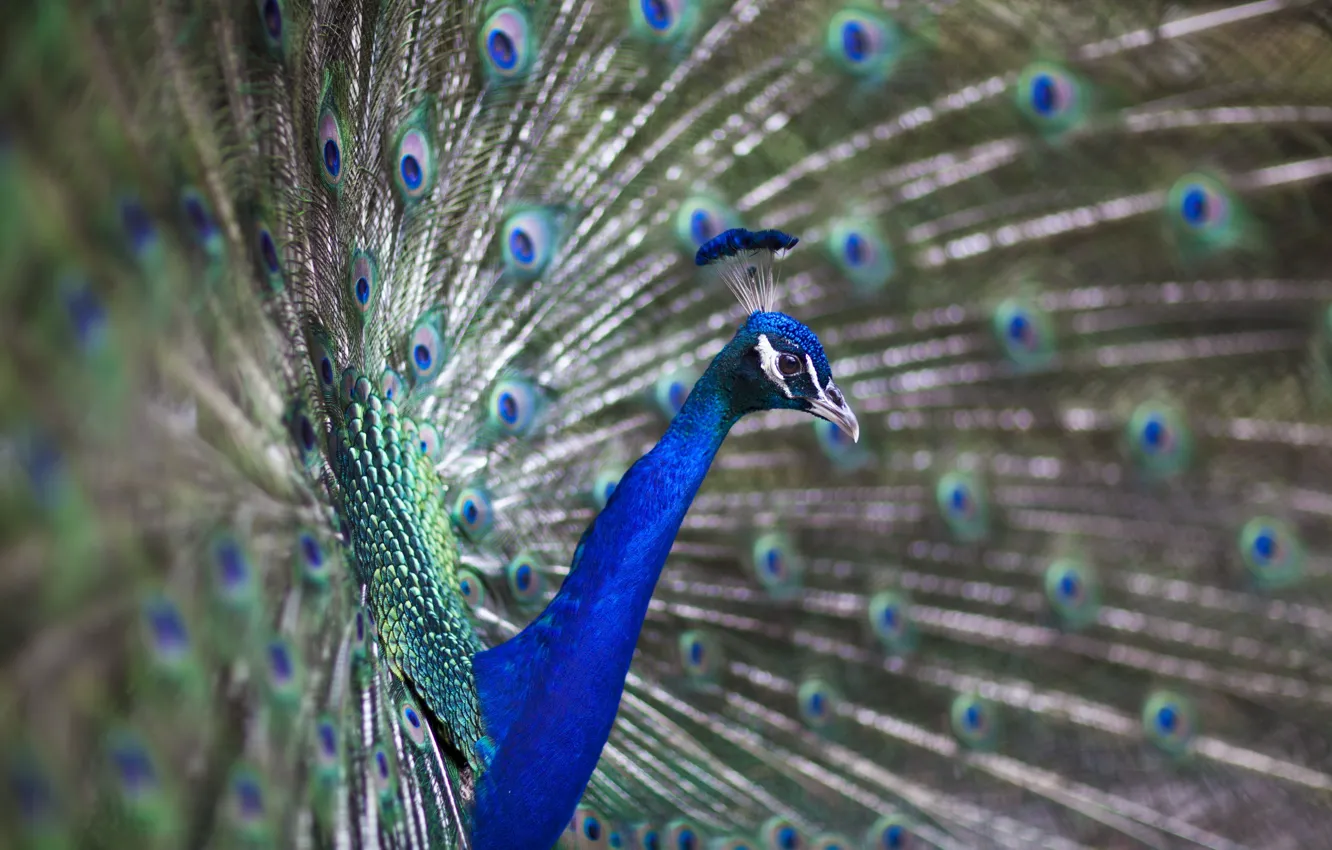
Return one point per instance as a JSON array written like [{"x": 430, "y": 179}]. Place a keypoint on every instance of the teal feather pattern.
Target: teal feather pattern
[{"x": 331, "y": 328}]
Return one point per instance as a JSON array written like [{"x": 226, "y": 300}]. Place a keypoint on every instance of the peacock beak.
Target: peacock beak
[{"x": 838, "y": 414}]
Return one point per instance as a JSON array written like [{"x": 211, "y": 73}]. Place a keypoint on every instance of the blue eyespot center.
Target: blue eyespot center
[
  {"x": 651, "y": 841},
  {"x": 232, "y": 564},
  {"x": 314, "y": 555},
  {"x": 855, "y": 249},
  {"x": 687, "y": 840},
  {"x": 1154, "y": 433},
  {"x": 657, "y": 13},
  {"x": 522, "y": 246},
  {"x": 772, "y": 562},
  {"x": 421, "y": 354},
  {"x": 1044, "y": 94},
  {"x": 972, "y": 717},
  {"x": 168, "y": 628},
  {"x": 701, "y": 226},
  {"x": 677, "y": 395},
  {"x": 381, "y": 761},
  {"x": 307, "y": 433},
  {"x": 893, "y": 837},
  {"x": 328, "y": 739},
  {"x": 470, "y": 511},
  {"x": 1019, "y": 328},
  {"x": 959, "y": 499},
  {"x": 134, "y": 768},
  {"x": 249, "y": 799},
  {"x": 502, "y": 50},
  {"x": 362, "y": 290},
  {"x": 332, "y": 158},
  {"x": 889, "y": 618},
  {"x": 787, "y": 838},
  {"x": 522, "y": 577},
  {"x": 836, "y": 436},
  {"x": 1194, "y": 205},
  {"x": 268, "y": 251},
  {"x": 326, "y": 370},
  {"x": 1265, "y": 544},
  {"x": 466, "y": 587},
  {"x": 592, "y": 829},
  {"x": 855, "y": 41},
  {"x": 508, "y": 408},
  {"x": 273, "y": 19},
  {"x": 1167, "y": 718},
  {"x": 85, "y": 313},
  {"x": 1069, "y": 586},
  {"x": 412, "y": 717},
  {"x": 412, "y": 175},
  {"x": 138, "y": 226},
  {"x": 280, "y": 661},
  {"x": 198, "y": 216}
]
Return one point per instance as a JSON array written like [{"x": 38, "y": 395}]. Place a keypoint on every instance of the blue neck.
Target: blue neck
[{"x": 549, "y": 695}]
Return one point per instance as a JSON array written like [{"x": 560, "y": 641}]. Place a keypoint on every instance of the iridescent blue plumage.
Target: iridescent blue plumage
[{"x": 549, "y": 696}]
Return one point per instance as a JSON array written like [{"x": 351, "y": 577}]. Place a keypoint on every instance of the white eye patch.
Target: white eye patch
[{"x": 768, "y": 361}]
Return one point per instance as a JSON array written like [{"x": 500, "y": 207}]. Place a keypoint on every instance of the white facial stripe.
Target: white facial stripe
[
  {"x": 768, "y": 360},
  {"x": 814, "y": 376}
]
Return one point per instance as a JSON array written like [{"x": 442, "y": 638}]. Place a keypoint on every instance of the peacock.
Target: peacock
[{"x": 666, "y": 424}]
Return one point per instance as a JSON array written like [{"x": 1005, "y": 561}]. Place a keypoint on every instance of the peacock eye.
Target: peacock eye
[
  {"x": 863, "y": 44},
  {"x": 363, "y": 281},
  {"x": 203, "y": 228},
  {"x": 412, "y": 723},
  {"x": 513, "y": 406},
  {"x": 1051, "y": 97},
  {"x": 414, "y": 162},
  {"x": 471, "y": 589},
  {"x": 326, "y": 744},
  {"x": 271, "y": 11},
  {"x": 890, "y": 832},
  {"x": 529, "y": 242},
  {"x": 311, "y": 561},
  {"x": 788, "y": 365},
  {"x": 663, "y": 20},
  {"x": 427, "y": 439},
  {"x": 270, "y": 263},
  {"x": 525, "y": 579},
  {"x": 781, "y": 834},
  {"x": 392, "y": 386},
  {"x": 425, "y": 349},
  {"x": 328, "y": 148},
  {"x": 167, "y": 636},
  {"x": 506, "y": 43}
]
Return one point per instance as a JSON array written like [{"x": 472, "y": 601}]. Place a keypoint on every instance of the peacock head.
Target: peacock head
[{"x": 774, "y": 362}]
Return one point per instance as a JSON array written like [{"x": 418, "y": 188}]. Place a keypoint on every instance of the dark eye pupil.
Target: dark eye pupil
[{"x": 788, "y": 364}]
